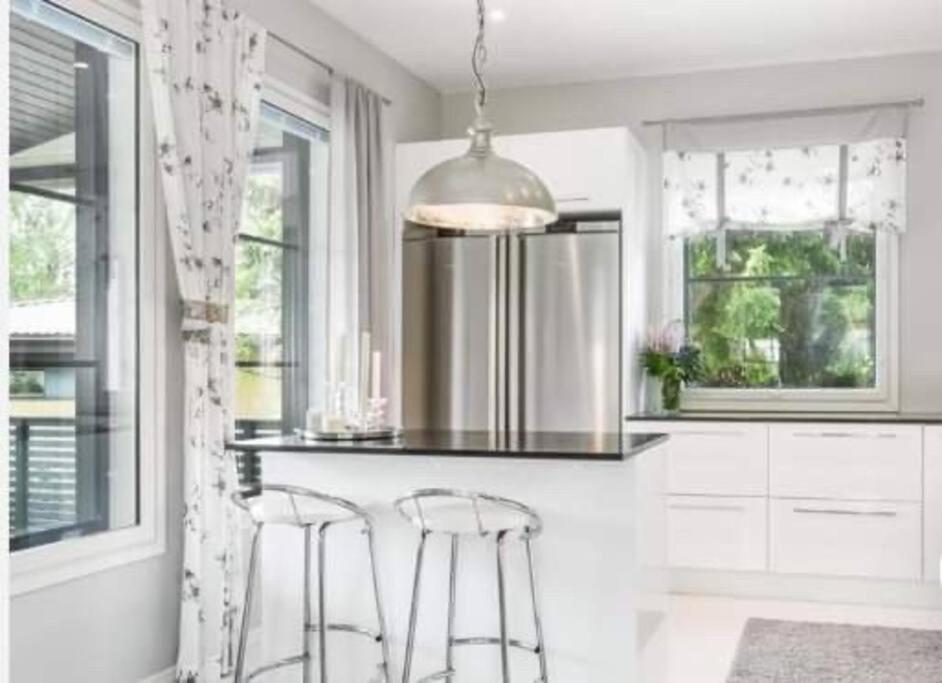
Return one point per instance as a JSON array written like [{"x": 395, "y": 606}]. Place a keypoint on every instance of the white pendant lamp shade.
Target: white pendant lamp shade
[{"x": 480, "y": 192}]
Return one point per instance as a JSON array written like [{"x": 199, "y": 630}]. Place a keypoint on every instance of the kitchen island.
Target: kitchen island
[{"x": 599, "y": 559}]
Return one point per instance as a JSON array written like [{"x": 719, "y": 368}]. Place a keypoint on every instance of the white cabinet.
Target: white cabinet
[
  {"x": 841, "y": 538},
  {"x": 932, "y": 504},
  {"x": 585, "y": 170},
  {"x": 815, "y": 499},
  {"x": 847, "y": 462},
  {"x": 714, "y": 532},
  {"x": 723, "y": 459},
  {"x": 714, "y": 458}
]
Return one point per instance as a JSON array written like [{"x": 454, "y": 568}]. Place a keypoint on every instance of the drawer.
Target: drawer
[
  {"x": 725, "y": 459},
  {"x": 713, "y": 532},
  {"x": 846, "y": 462},
  {"x": 842, "y": 538}
]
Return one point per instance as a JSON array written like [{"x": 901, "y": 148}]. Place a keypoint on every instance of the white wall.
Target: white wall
[
  {"x": 630, "y": 101},
  {"x": 120, "y": 626}
]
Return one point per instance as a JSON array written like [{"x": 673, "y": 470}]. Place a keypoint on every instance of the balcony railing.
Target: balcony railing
[{"x": 43, "y": 476}]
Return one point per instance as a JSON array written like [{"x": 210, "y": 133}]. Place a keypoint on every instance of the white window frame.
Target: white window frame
[
  {"x": 884, "y": 397},
  {"x": 32, "y": 569},
  {"x": 292, "y": 101}
]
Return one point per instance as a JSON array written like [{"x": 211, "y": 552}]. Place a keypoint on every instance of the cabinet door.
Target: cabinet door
[
  {"x": 846, "y": 462},
  {"x": 932, "y": 509},
  {"x": 585, "y": 170},
  {"x": 712, "y": 532},
  {"x": 714, "y": 458},
  {"x": 841, "y": 538}
]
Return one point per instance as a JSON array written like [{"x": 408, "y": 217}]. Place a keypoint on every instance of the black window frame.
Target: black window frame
[
  {"x": 88, "y": 348},
  {"x": 294, "y": 158}
]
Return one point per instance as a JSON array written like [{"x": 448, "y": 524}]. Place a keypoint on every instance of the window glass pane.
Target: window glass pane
[
  {"x": 259, "y": 331},
  {"x": 275, "y": 283},
  {"x": 787, "y": 313},
  {"x": 261, "y": 211},
  {"x": 73, "y": 255}
]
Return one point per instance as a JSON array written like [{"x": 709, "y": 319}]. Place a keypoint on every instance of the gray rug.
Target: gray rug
[{"x": 801, "y": 652}]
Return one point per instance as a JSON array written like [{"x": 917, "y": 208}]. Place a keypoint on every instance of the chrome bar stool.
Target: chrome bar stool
[
  {"x": 460, "y": 514},
  {"x": 314, "y": 513}
]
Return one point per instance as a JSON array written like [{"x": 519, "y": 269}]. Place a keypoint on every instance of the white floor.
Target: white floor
[{"x": 705, "y": 630}]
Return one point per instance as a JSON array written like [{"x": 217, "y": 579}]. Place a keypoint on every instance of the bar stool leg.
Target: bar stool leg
[
  {"x": 322, "y": 600},
  {"x": 537, "y": 621},
  {"x": 452, "y": 591},
  {"x": 414, "y": 609},
  {"x": 306, "y": 642},
  {"x": 502, "y": 603},
  {"x": 247, "y": 606},
  {"x": 380, "y": 616}
]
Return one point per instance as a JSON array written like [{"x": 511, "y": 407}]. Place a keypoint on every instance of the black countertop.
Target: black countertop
[
  {"x": 866, "y": 418},
  {"x": 523, "y": 445}
]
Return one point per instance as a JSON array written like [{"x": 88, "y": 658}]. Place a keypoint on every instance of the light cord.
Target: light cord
[{"x": 478, "y": 58}]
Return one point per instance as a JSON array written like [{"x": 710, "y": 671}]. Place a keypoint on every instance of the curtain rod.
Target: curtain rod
[
  {"x": 759, "y": 116},
  {"x": 321, "y": 63}
]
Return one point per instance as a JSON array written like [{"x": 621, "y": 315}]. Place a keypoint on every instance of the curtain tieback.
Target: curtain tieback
[
  {"x": 198, "y": 316},
  {"x": 205, "y": 312}
]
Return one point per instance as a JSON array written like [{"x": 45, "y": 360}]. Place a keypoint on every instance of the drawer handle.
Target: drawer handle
[
  {"x": 563, "y": 200},
  {"x": 705, "y": 433},
  {"x": 705, "y": 507},
  {"x": 852, "y": 513},
  {"x": 827, "y": 435},
  {"x": 843, "y": 435}
]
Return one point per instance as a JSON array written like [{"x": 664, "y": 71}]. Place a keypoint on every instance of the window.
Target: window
[
  {"x": 786, "y": 312},
  {"x": 279, "y": 265},
  {"x": 785, "y": 261},
  {"x": 73, "y": 278}
]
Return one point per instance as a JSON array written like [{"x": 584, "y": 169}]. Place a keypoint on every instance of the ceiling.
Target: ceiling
[
  {"x": 555, "y": 41},
  {"x": 42, "y": 85}
]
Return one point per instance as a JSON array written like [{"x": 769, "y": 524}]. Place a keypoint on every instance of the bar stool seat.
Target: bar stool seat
[
  {"x": 275, "y": 506},
  {"x": 313, "y": 512},
  {"x": 463, "y": 514}
]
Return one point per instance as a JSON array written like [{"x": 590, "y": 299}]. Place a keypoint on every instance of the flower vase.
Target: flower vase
[{"x": 670, "y": 395}]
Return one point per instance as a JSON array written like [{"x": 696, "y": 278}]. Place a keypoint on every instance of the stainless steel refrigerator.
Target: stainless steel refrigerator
[{"x": 518, "y": 333}]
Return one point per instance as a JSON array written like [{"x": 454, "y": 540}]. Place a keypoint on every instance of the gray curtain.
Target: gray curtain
[{"x": 367, "y": 174}]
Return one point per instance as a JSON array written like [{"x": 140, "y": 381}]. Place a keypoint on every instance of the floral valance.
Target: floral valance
[{"x": 751, "y": 181}]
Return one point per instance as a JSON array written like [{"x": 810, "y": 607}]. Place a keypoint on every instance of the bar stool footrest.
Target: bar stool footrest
[
  {"x": 268, "y": 668},
  {"x": 437, "y": 676},
  {"x": 347, "y": 628},
  {"x": 486, "y": 640}
]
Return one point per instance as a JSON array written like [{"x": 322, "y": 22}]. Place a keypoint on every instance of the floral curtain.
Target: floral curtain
[
  {"x": 861, "y": 186},
  {"x": 835, "y": 173},
  {"x": 206, "y": 62}
]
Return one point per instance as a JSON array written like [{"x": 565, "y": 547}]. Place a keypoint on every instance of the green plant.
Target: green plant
[
  {"x": 673, "y": 362},
  {"x": 667, "y": 360}
]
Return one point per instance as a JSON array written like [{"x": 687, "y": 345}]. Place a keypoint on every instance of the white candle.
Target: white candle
[
  {"x": 377, "y": 379},
  {"x": 312, "y": 420},
  {"x": 364, "y": 368},
  {"x": 340, "y": 354}
]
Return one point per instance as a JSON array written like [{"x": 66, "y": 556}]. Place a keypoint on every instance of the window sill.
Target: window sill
[
  {"x": 33, "y": 569},
  {"x": 805, "y": 401}
]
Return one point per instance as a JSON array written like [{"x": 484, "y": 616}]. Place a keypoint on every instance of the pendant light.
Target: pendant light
[{"x": 480, "y": 191}]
